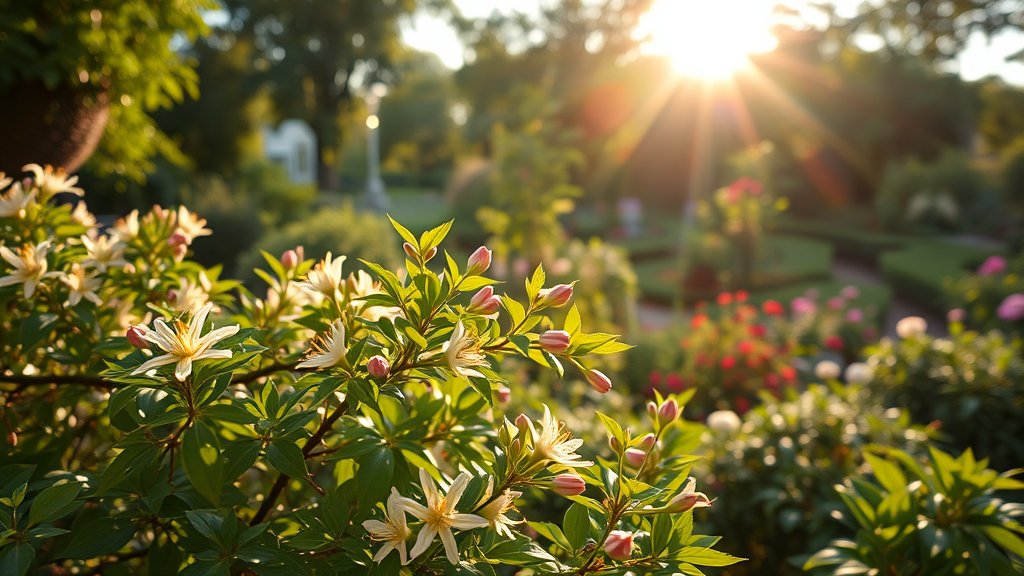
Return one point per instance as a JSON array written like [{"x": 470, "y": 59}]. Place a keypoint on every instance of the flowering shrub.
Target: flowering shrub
[
  {"x": 739, "y": 213},
  {"x": 841, "y": 324},
  {"x": 774, "y": 470},
  {"x": 992, "y": 297},
  {"x": 340, "y": 424},
  {"x": 937, "y": 518},
  {"x": 971, "y": 385},
  {"x": 732, "y": 353}
]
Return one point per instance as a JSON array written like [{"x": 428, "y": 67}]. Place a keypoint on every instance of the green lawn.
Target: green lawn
[
  {"x": 920, "y": 269},
  {"x": 785, "y": 260}
]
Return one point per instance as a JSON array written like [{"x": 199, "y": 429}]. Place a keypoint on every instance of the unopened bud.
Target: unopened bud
[
  {"x": 556, "y": 295},
  {"x": 647, "y": 442},
  {"x": 290, "y": 259},
  {"x": 568, "y": 485},
  {"x": 598, "y": 381},
  {"x": 410, "y": 251},
  {"x": 614, "y": 444},
  {"x": 137, "y": 337},
  {"x": 12, "y": 438},
  {"x": 484, "y": 302},
  {"x": 555, "y": 341},
  {"x": 524, "y": 424},
  {"x": 652, "y": 410},
  {"x": 635, "y": 457},
  {"x": 430, "y": 254},
  {"x": 479, "y": 262},
  {"x": 378, "y": 366},
  {"x": 668, "y": 411},
  {"x": 504, "y": 394},
  {"x": 619, "y": 545},
  {"x": 178, "y": 239}
]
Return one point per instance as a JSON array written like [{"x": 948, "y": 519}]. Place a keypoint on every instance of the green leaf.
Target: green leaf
[
  {"x": 535, "y": 283},
  {"x": 97, "y": 537},
  {"x": 515, "y": 310},
  {"x": 576, "y": 525},
  {"x": 572, "y": 321},
  {"x": 404, "y": 232},
  {"x": 707, "y": 557},
  {"x": 201, "y": 458},
  {"x": 16, "y": 560},
  {"x": 287, "y": 457},
  {"x": 887, "y": 473},
  {"x": 53, "y": 502},
  {"x": 614, "y": 429},
  {"x": 553, "y": 533},
  {"x": 374, "y": 476}
]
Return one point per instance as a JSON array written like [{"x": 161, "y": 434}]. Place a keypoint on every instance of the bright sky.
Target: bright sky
[{"x": 431, "y": 34}]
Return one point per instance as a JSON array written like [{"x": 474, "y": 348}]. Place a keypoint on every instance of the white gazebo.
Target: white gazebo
[{"x": 292, "y": 145}]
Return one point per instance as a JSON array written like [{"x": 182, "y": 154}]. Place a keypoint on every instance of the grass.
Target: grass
[
  {"x": 786, "y": 260},
  {"x": 919, "y": 270}
]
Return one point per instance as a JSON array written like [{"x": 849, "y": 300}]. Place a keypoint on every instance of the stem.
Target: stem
[{"x": 307, "y": 449}]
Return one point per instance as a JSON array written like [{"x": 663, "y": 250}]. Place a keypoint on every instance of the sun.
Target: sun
[{"x": 708, "y": 39}]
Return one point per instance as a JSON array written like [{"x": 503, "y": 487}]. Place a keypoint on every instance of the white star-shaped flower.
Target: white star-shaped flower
[
  {"x": 439, "y": 515},
  {"x": 184, "y": 344},
  {"x": 82, "y": 285},
  {"x": 461, "y": 352},
  {"x": 552, "y": 442},
  {"x": 325, "y": 279},
  {"x": 50, "y": 181},
  {"x": 29, "y": 264},
  {"x": 327, "y": 350},
  {"x": 393, "y": 531},
  {"x": 15, "y": 201}
]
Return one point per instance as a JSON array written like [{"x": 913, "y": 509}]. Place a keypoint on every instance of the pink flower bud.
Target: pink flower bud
[
  {"x": 647, "y": 442},
  {"x": 598, "y": 381},
  {"x": 290, "y": 259},
  {"x": 137, "y": 337},
  {"x": 556, "y": 295},
  {"x": 523, "y": 423},
  {"x": 178, "y": 239},
  {"x": 485, "y": 302},
  {"x": 635, "y": 457},
  {"x": 614, "y": 444},
  {"x": 688, "y": 498},
  {"x": 378, "y": 366},
  {"x": 479, "y": 262},
  {"x": 555, "y": 341},
  {"x": 956, "y": 315},
  {"x": 668, "y": 411},
  {"x": 619, "y": 545},
  {"x": 172, "y": 295},
  {"x": 652, "y": 410},
  {"x": 568, "y": 485},
  {"x": 410, "y": 251},
  {"x": 504, "y": 394}
]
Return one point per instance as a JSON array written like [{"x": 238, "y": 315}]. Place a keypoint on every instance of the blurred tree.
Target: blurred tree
[
  {"x": 310, "y": 54},
  {"x": 417, "y": 133},
  {"x": 215, "y": 129},
  {"x": 936, "y": 30},
  {"x": 1001, "y": 120}
]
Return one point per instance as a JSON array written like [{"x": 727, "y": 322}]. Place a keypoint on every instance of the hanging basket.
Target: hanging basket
[{"x": 59, "y": 126}]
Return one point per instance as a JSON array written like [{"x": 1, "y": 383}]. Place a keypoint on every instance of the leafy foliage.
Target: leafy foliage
[
  {"x": 156, "y": 423},
  {"x": 942, "y": 517}
]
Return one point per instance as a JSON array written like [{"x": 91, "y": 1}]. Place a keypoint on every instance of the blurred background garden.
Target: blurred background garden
[{"x": 808, "y": 215}]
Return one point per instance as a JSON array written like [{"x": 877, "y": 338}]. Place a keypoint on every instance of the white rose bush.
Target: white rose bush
[{"x": 159, "y": 420}]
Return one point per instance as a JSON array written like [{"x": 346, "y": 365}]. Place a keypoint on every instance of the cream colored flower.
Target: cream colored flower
[
  {"x": 325, "y": 279},
  {"x": 552, "y": 442},
  {"x": 82, "y": 285},
  {"x": 393, "y": 531},
  {"x": 184, "y": 345},
  {"x": 191, "y": 225},
  {"x": 461, "y": 352},
  {"x": 360, "y": 284},
  {"x": 104, "y": 252},
  {"x": 50, "y": 181},
  {"x": 127, "y": 229},
  {"x": 494, "y": 512},
  {"x": 15, "y": 201},
  {"x": 189, "y": 295},
  {"x": 439, "y": 515},
  {"x": 29, "y": 264},
  {"x": 327, "y": 351},
  {"x": 82, "y": 216}
]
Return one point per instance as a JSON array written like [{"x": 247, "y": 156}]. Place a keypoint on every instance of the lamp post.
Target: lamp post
[{"x": 376, "y": 196}]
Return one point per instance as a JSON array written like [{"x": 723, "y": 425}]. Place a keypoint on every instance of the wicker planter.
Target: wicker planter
[{"x": 60, "y": 127}]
